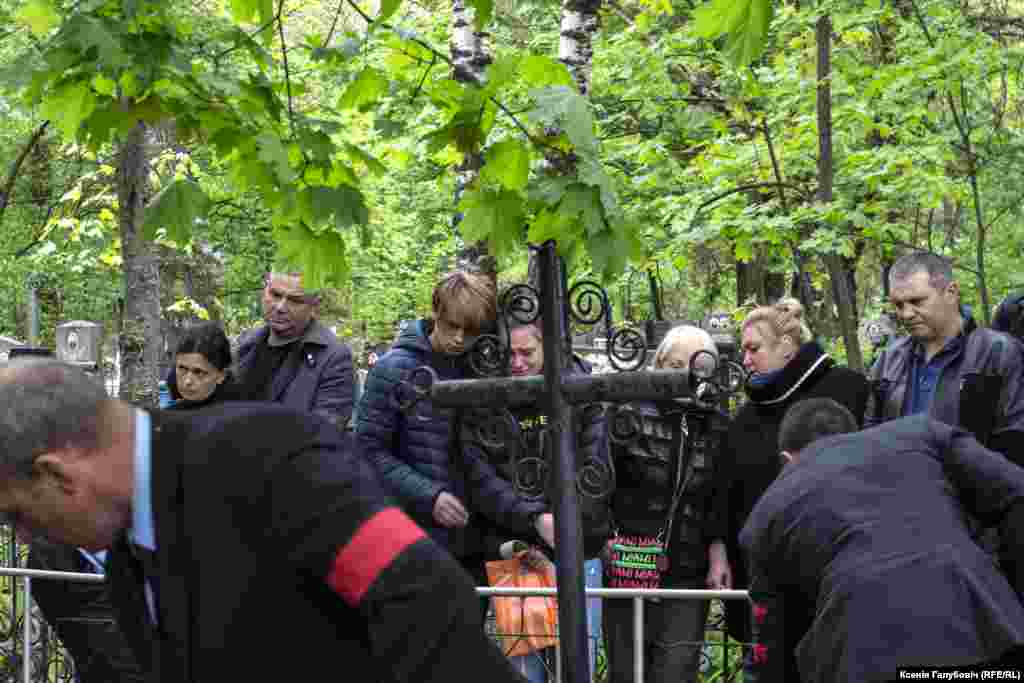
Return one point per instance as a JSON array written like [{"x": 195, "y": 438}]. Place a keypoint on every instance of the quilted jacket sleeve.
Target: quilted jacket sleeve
[{"x": 378, "y": 431}]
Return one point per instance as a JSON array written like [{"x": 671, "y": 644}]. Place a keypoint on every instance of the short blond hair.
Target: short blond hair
[
  {"x": 784, "y": 318},
  {"x": 683, "y": 334},
  {"x": 474, "y": 295}
]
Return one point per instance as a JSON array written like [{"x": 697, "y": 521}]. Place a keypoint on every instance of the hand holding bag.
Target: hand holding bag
[{"x": 525, "y": 624}]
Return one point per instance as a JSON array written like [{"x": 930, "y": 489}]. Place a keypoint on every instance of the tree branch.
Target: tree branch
[
  {"x": 287, "y": 75},
  {"x": 443, "y": 57},
  {"x": 12, "y": 174},
  {"x": 334, "y": 25},
  {"x": 752, "y": 186}
]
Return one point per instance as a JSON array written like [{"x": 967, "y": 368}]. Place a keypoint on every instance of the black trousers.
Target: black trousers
[{"x": 673, "y": 638}]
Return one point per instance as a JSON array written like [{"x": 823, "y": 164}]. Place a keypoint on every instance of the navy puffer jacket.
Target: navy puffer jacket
[{"x": 418, "y": 456}]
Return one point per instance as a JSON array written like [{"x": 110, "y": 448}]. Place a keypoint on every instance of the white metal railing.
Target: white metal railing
[{"x": 637, "y": 595}]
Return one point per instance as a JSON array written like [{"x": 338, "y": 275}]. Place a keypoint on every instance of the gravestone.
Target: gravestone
[{"x": 79, "y": 343}]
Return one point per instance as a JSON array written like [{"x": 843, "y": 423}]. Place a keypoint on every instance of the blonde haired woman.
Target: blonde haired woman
[
  {"x": 786, "y": 365},
  {"x": 666, "y": 493}
]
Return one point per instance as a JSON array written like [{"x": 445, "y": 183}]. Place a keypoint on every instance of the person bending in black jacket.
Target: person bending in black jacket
[
  {"x": 218, "y": 518},
  {"x": 868, "y": 528}
]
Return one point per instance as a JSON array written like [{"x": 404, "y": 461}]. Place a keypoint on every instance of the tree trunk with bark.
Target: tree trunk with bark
[
  {"x": 836, "y": 269},
  {"x": 140, "y": 340},
  {"x": 578, "y": 26},
  {"x": 469, "y": 65},
  {"x": 575, "y": 47}
]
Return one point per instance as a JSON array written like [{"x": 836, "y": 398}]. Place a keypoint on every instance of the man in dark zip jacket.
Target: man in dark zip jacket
[
  {"x": 418, "y": 456},
  {"x": 947, "y": 366}
]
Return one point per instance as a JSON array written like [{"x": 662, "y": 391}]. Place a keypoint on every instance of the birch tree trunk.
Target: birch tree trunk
[
  {"x": 140, "y": 340},
  {"x": 469, "y": 65},
  {"x": 575, "y": 47}
]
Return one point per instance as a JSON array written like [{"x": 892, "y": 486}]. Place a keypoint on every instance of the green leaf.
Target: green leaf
[
  {"x": 366, "y": 89},
  {"x": 266, "y": 11},
  {"x": 318, "y": 143},
  {"x": 39, "y": 15},
  {"x": 104, "y": 85},
  {"x": 583, "y": 201},
  {"x": 591, "y": 172},
  {"x": 89, "y": 33},
  {"x": 743, "y": 22},
  {"x": 372, "y": 163},
  {"x": 608, "y": 253},
  {"x": 244, "y": 11},
  {"x": 273, "y": 153},
  {"x": 549, "y": 190},
  {"x": 68, "y": 106},
  {"x": 500, "y": 72},
  {"x": 322, "y": 256},
  {"x": 508, "y": 164},
  {"x": 387, "y": 9},
  {"x": 540, "y": 71},
  {"x": 344, "y": 203},
  {"x": 579, "y": 124},
  {"x": 562, "y": 105},
  {"x": 551, "y": 224},
  {"x": 497, "y": 217},
  {"x": 484, "y": 12},
  {"x": 175, "y": 208}
]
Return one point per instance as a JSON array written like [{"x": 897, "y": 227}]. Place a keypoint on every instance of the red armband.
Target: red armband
[{"x": 372, "y": 548}]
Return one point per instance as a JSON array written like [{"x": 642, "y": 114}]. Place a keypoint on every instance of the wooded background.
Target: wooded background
[{"x": 159, "y": 157}]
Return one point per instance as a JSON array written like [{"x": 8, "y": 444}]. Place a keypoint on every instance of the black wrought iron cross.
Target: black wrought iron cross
[{"x": 556, "y": 473}]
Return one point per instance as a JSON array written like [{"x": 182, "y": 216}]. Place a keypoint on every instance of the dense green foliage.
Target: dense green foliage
[{"x": 328, "y": 135}]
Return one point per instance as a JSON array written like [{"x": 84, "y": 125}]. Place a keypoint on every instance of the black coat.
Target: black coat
[
  {"x": 319, "y": 379},
  {"x": 280, "y": 558},
  {"x": 870, "y": 526},
  {"x": 648, "y": 472},
  {"x": 751, "y": 459}
]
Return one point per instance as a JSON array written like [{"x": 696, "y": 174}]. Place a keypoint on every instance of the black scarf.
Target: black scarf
[{"x": 808, "y": 364}]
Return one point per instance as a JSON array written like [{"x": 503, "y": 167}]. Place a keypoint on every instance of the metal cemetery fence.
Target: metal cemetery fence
[{"x": 47, "y": 662}]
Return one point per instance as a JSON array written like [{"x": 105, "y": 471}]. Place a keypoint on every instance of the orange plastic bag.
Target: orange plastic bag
[{"x": 524, "y": 624}]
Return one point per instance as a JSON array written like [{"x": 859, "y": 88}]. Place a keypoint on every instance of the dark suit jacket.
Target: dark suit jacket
[
  {"x": 82, "y": 616},
  {"x": 323, "y": 382},
  {"x": 871, "y": 527},
  {"x": 264, "y": 517}
]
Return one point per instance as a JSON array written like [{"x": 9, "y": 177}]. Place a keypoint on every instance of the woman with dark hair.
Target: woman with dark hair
[{"x": 201, "y": 374}]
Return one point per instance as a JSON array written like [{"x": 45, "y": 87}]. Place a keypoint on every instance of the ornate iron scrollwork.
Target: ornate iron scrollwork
[
  {"x": 589, "y": 306},
  {"x": 623, "y": 425},
  {"x": 414, "y": 388},
  {"x": 487, "y": 356}
]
